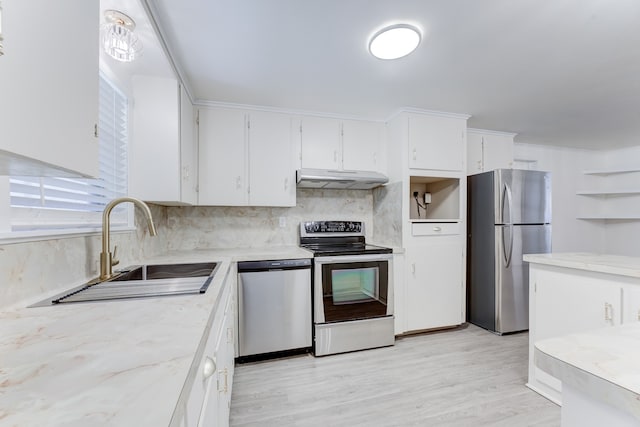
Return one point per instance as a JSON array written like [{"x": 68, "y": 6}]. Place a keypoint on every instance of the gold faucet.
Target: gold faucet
[{"x": 107, "y": 259}]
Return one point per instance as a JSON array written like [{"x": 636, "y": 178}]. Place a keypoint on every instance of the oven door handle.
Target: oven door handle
[{"x": 341, "y": 259}]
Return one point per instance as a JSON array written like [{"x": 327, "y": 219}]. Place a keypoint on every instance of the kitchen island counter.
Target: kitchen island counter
[
  {"x": 600, "y": 263},
  {"x": 600, "y": 375}
]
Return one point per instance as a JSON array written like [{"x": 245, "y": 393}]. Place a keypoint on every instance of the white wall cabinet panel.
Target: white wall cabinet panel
[
  {"x": 436, "y": 142},
  {"x": 488, "y": 150},
  {"x": 188, "y": 150},
  {"x": 434, "y": 283},
  {"x": 247, "y": 158},
  {"x": 271, "y": 160},
  {"x": 361, "y": 145},
  {"x": 154, "y": 150},
  {"x": 321, "y": 146},
  {"x": 162, "y": 152},
  {"x": 49, "y": 104},
  {"x": 223, "y": 157}
]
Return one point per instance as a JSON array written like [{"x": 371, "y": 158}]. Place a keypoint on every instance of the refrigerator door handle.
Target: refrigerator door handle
[
  {"x": 506, "y": 200},
  {"x": 509, "y": 255}
]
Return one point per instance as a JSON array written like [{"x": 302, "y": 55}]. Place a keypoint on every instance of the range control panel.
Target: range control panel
[{"x": 327, "y": 227}]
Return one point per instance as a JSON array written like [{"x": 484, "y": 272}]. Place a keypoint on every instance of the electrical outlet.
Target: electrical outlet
[
  {"x": 427, "y": 198},
  {"x": 282, "y": 221}
]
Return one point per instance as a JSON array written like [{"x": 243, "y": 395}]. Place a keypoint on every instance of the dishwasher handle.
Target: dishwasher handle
[{"x": 281, "y": 264}]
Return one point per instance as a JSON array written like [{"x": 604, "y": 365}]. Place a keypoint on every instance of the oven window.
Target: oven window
[{"x": 354, "y": 290}]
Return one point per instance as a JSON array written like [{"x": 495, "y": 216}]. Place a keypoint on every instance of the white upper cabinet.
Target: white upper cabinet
[
  {"x": 329, "y": 143},
  {"x": 272, "y": 180},
  {"x": 188, "y": 151},
  {"x": 162, "y": 149},
  {"x": 361, "y": 145},
  {"x": 246, "y": 158},
  {"x": 488, "y": 150},
  {"x": 436, "y": 142},
  {"x": 223, "y": 157},
  {"x": 49, "y": 98},
  {"x": 321, "y": 143}
]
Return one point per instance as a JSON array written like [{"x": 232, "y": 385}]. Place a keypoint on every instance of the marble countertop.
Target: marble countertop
[
  {"x": 602, "y": 364},
  {"x": 611, "y": 264},
  {"x": 115, "y": 363}
]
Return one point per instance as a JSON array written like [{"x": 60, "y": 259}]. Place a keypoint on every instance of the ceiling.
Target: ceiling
[{"x": 561, "y": 72}]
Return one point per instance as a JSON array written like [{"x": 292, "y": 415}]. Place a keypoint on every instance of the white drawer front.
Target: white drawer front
[{"x": 435, "y": 228}]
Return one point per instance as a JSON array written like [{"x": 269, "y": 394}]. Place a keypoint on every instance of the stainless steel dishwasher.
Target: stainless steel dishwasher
[{"x": 274, "y": 307}]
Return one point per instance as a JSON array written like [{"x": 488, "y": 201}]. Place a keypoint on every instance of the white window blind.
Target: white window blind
[{"x": 55, "y": 203}]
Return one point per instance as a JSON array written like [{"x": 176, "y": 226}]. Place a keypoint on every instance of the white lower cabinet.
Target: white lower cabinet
[
  {"x": 215, "y": 410},
  {"x": 565, "y": 301},
  {"x": 209, "y": 398},
  {"x": 434, "y": 283}
]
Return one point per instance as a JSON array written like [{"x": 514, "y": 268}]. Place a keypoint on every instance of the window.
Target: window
[{"x": 48, "y": 203}]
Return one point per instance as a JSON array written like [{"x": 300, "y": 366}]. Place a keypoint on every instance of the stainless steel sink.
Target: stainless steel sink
[{"x": 142, "y": 281}]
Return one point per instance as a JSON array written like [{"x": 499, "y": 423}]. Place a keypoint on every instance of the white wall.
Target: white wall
[
  {"x": 566, "y": 166},
  {"x": 623, "y": 236}
]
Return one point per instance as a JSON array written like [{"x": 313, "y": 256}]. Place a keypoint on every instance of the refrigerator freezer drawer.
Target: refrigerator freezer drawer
[{"x": 435, "y": 228}]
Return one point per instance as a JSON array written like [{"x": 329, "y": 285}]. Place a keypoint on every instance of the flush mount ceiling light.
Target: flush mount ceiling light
[
  {"x": 395, "y": 41},
  {"x": 118, "y": 39}
]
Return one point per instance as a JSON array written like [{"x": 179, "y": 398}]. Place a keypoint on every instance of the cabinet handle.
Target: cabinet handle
[
  {"x": 608, "y": 312},
  {"x": 238, "y": 183},
  {"x": 286, "y": 184},
  {"x": 335, "y": 155},
  {"x": 413, "y": 268},
  {"x": 229, "y": 335},
  {"x": 226, "y": 381},
  {"x": 209, "y": 367},
  {"x": 437, "y": 229},
  {"x": 375, "y": 158},
  {"x": 415, "y": 154}
]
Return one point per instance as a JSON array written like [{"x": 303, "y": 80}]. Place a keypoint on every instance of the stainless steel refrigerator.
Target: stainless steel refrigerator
[{"x": 509, "y": 214}]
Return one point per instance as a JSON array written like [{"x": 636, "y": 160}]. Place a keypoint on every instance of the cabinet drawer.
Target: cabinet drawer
[{"x": 435, "y": 228}]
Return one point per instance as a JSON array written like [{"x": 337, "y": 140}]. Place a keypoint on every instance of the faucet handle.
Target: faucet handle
[{"x": 114, "y": 257}]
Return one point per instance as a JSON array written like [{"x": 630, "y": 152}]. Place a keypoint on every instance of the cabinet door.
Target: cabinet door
[
  {"x": 568, "y": 303},
  {"x": 217, "y": 404},
  {"x": 223, "y": 157},
  {"x": 474, "y": 153},
  {"x": 436, "y": 142},
  {"x": 497, "y": 152},
  {"x": 188, "y": 151},
  {"x": 434, "y": 283},
  {"x": 361, "y": 145},
  {"x": 154, "y": 151},
  {"x": 320, "y": 140},
  {"x": 631, "y": 303},
  {"x": 49, "y": 103},
  {"x": 271, "y": 160}
]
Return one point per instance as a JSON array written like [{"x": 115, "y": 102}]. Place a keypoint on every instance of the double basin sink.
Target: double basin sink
[{"x": 142, "y": 281}]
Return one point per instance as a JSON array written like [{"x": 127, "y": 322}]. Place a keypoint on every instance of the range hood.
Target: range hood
[{"x": 339, "y": 179}]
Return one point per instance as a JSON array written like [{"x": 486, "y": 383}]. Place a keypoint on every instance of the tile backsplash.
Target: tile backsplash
[
  {"x": 213, "y": 227},
  {"x": 34, "y": 270}
]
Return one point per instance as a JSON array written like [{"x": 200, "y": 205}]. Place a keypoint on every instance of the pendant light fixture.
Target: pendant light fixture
[
  {"x": 118, "y": 39},
  {"x": 395, "y": 41}
]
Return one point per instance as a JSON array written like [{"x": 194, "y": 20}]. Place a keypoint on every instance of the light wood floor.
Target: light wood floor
[{"x": 461, "y": 377}]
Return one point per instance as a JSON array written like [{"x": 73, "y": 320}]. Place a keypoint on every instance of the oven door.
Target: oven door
[{"x": 352, "y": 287}]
